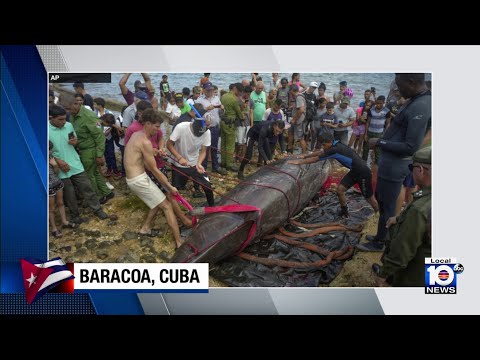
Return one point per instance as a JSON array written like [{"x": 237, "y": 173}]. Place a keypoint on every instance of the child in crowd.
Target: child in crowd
[
  {"x": 359, "y": 126},
  {"x": 164, "y": 86},
  {"x": 113, "y": 131},
  {"x": 55, "y": 195}
]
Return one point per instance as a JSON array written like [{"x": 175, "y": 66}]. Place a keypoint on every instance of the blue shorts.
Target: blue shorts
[{"x": 408, "y": 182}]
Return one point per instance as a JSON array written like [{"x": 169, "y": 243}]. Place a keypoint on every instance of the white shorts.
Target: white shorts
[
  {"x": 146, "y": 190},
  {"x": 242, "y": 134}
]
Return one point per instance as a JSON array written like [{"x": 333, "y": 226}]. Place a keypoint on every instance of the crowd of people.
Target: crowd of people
[{"x": 179, "y": 132}]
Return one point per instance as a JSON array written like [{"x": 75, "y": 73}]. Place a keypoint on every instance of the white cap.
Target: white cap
[{"x": 314, "y": 84}]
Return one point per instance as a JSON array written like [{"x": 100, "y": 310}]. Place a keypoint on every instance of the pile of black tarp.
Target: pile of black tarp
[{"x": 323, "y": 209}]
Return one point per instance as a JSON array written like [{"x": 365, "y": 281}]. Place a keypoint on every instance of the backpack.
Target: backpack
[{"x": 310, "y": 110}]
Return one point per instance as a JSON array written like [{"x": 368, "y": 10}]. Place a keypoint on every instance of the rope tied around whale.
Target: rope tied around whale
[
  {"x": 273, "y": 168},
  {"x": 227, "y": 209}
]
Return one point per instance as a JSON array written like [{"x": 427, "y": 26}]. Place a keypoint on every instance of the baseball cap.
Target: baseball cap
[
  {"x": 142, "y": 95},
  {"x": 178, "y": 96},
  {"x": 138, "y": 84},
  {"x": 345, "y": 100},
  {"x": 314, "y": 84},
  {"x": 208, "y": 85}
]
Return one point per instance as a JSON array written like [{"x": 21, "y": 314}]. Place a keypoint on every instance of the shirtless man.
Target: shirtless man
[{"x": 139, "y": 154}]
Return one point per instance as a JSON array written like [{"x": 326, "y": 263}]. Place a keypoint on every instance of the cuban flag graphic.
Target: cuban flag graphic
[{"x": 40, "y": 276}]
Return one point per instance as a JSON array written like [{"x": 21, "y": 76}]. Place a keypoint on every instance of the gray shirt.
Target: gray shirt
[
  {"x": 299, "y": 102},
  {"x": 129, "y": 115},
  {"x": 344, "y": 116}
]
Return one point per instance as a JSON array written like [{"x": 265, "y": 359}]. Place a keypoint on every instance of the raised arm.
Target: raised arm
[{"x": 123, "y": 83}]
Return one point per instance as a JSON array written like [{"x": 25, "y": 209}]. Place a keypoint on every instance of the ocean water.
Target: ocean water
[{"x": 358, "y": 82}]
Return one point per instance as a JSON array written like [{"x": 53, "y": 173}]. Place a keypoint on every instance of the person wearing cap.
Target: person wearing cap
[
  {"x": 204, "y": 79},
  {"x": 409, "y": 234},
  {"x": 345, "y": 118},
  {"x": 183, "y": 105},
  {"x": 87, "y": 98},
  {"x": 130, "y": 113},
  {"x": 147, "y": 87},
  {"x": 399, "y": 142},
  {"x": 310, "y": 109},
  {"x": 212, "y": 105},
  {"x": 338, "y": 96},
  {"x": 188, "y": 145},
  {"x": 359, "y": 172}
]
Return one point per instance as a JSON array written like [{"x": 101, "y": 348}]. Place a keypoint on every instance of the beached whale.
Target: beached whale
[{"x": 279, "y": 190}]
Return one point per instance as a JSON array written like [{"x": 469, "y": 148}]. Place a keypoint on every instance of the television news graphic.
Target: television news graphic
[
  {"x": 441, "y": 275},
  {"x": 142, "y": 276},
  {"x": 41, "y": 276}
]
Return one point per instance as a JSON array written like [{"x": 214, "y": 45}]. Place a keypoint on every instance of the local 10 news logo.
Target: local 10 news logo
[{"x": 441, "y": 275}]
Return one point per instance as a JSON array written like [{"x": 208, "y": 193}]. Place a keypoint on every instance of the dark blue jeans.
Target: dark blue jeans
[
  {"x": 122, "y": 151},
  {"x": 110, "y": 155},
  {"x": 215, "y": 134}
]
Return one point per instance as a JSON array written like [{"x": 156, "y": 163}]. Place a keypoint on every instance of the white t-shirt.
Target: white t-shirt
[
  {"x": 187, "y": 144},
  {"x": 173, "y": 111}
]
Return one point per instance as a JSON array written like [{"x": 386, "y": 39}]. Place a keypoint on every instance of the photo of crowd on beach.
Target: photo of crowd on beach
[{"x": 274, "y": 179}]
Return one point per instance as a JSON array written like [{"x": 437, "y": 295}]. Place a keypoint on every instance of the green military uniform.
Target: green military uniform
[
  {"x": 228, "y": 128},
  {"x": 409, "y": 241},
  {"x": 91, "y": 144}
]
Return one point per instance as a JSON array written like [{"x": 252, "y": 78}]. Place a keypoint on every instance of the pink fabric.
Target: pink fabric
[
  {"x": 135, "y": 127},
  {"x": 359, "y": 130}
]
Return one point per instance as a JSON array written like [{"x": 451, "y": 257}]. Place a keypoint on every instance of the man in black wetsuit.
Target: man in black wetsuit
[
  {"x": 400, "y": 141},
  {"x": 359, "y": 172},
  {"x": 261, "y": 133}
]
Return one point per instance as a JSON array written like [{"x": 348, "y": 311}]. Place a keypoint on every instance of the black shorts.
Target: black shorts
[
  {"x": 155, "y": 180},
  {"x": 52, "y": 191},
  {"x": 362, "y": 178}
]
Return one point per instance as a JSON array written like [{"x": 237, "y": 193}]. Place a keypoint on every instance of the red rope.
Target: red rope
[{"x": 181, "y": 200}]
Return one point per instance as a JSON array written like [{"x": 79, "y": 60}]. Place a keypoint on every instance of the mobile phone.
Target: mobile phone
[{"x": 71, "y": 135}]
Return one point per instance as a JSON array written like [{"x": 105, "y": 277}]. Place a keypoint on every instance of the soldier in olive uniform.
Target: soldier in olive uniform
[
  {"x": 409, "y": 241},
  {"x": 91, "y": 146},
  {"x": 227, "y": 125}
]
